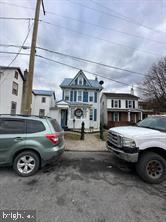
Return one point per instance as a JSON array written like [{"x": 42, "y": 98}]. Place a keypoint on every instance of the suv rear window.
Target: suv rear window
[
  {"x": 56, "y": 125},
  {"x": 12, "y": 126},
  {"x": 35, "y": 126}
]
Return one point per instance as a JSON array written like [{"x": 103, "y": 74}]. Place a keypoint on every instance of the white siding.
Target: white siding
[
  {"x": 37, "y": 104},
  {"x": 6, "y": 96}
]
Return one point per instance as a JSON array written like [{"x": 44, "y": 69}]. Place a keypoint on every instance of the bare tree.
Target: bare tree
[{"x": 155, "y": 83}]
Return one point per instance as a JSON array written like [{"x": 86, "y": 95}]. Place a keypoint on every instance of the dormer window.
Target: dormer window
[{"x": 80, "y": 80}]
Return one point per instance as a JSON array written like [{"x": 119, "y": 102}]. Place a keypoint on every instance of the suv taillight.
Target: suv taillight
[{"x": 54, "y": 138}]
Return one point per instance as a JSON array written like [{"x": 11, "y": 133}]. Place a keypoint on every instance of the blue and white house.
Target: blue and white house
[{"x": 80, "y": 102}]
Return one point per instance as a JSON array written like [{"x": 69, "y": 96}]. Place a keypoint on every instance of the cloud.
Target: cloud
[{"x": 135, "y": 57}]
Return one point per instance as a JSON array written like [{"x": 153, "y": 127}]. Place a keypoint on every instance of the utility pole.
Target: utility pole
[{"x": 28, "y": 90}]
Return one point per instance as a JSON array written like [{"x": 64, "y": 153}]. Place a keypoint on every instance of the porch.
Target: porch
[{"x": 123, "y": 117}]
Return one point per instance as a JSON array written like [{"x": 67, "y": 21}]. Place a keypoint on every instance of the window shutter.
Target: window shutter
[
  {"x": 71, "y": 96},
  {"x": 126, "y": 104},
  {"x": 133, "y": 104},
  {"x": 95, "y": 97},
  {"x": 75, "y": 96},
  {"x": 119, "y": 103},
  {"x": 95, "y": 114},
  {"x": 85, "y": 96},
  {"x": 63, "y": 95}
]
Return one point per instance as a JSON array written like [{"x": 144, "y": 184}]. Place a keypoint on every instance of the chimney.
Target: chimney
[
  {"x": 132, "y": 91},
  {"x": 24, "y": 92},
  {"x": 96, "y": 78}
]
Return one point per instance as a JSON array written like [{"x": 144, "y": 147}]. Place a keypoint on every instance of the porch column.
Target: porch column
[
  {"x": 128, "y": 116},
  {"x": 141, "y": 115}
]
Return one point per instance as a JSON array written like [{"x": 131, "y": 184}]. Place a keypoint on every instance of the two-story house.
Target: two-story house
[
  {"x": 80, "y": 103},
  {"x": 42, "y": 101},
  {"x": 119, "y": 109},
  {"x": 11, "y": 86}
]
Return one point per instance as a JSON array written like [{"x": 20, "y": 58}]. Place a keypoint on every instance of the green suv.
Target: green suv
[{"x": 29, "y": 142}]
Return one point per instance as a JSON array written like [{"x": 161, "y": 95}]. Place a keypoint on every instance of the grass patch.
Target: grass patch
[
  {"x": 104, "y": 135},
  {"x": 72, "y": 136}
]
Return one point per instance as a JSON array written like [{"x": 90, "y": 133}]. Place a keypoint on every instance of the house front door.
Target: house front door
[{"x": 64, "y": 114}]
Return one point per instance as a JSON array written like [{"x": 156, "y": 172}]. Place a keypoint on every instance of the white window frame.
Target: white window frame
[
  {"x": 79, "y": 91},
  {"x": 116, "y": 117},
  {"x": 80, "y": 79},
  {"x": 13, "y": 111},
  {"x": 91, "y": 94},
  {"x": 116, "y": 103},
  {"x": 130, "y": 104},
  {"x": 67, "y": 94}
]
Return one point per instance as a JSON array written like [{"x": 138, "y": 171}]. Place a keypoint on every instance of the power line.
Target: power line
[
  {"x": 18, "y": 6},
  {"x": 131, "y": 20},
  {"x": 16, "y": 18},
  {"x": 101, "y": 39},
  {"x": 14, "y": 53},
  {"x": 90, "y": 61},
  {"x": 124, "y": 18},
  {"x": 119, "y": 44},
  {"x": 105, "y": 28},
  {"x": 77, "y": 68},
  {"x": 18, "y": 53},
  {"x": 76, "y": 58},
  {"x": 92, "y": 73}
]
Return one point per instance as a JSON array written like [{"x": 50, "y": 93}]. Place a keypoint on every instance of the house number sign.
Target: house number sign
[{"x": 78, "y": 112}]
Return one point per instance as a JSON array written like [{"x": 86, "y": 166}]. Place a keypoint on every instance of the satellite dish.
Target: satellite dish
[{"x": 101, "y": 82}]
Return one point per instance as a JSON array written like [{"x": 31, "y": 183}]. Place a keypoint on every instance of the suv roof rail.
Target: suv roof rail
[{"x": 23, "y": 115}]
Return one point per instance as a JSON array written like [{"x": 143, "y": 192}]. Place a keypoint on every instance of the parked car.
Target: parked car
[
  {"x": 29, "y": 142},
  {"x": 144, "y": 144}
]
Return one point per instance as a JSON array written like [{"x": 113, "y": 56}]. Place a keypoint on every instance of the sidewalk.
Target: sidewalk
[{"x": 90, "y": 143}]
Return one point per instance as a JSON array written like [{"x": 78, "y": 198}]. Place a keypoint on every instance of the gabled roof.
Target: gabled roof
[
  {"x": 92, "y": 84},
  {"x": 15, "y": 68},
  {"x": 120, "y": 95},
  {"x": 80, "y": 73},
  {"x": 43, "y": 92}
]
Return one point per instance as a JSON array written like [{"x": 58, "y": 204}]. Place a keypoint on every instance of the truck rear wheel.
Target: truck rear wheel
[{"x": 151, "y": 167}]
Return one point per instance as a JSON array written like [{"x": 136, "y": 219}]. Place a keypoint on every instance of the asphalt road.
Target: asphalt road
[{"x": 84, "y": 187}]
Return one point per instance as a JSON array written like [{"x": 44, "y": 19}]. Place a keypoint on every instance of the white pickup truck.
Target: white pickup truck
[{"x": 144, "y": 144}]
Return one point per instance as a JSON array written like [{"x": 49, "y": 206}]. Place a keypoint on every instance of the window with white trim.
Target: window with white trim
[
  {"x": 116, "y": 117},
  {"x": 79, "y": 96},
  {"x": 91, "y": 94},
  {"x": 130, "y": 104},
  {"x": 80, "y": 80},
  {"x": 66, "y": 95},
  {"x": 15, "y": 88},
  {"x": 13, "y": 107}
]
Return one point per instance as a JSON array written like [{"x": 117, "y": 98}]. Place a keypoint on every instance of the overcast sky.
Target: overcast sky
[{"x": 101, "y": 42}]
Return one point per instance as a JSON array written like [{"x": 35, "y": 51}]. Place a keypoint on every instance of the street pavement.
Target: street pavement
[{"x": 85, "y": 187}]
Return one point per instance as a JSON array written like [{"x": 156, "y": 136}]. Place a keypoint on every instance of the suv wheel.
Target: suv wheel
[
  {"x": 151, "y": 167},
  {"x": 26, "y": 163}
]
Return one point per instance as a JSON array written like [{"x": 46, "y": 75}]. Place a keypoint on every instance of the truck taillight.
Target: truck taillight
[{"x": 54, "y": 138}]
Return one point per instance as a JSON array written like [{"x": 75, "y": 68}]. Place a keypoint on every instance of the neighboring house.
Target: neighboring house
[
  {"x": 42, "y": 101},
  {"x": 80, "y": 103},
  {"x": 119, "y": 109},
  {"x": 11, "y": 87}
]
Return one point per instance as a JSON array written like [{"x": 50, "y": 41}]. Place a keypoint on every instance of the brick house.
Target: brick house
[{"x": 118, "y": 109}]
